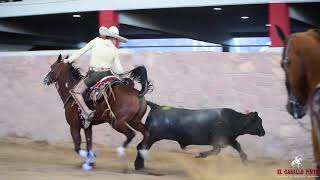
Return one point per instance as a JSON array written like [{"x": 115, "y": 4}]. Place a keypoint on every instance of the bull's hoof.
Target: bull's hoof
[{"x": 200, "y": 155}]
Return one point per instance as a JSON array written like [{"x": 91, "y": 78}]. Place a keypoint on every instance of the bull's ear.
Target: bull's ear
[
  {"x": 253, "y": 116},
  {"x": 67, "y": 57}
]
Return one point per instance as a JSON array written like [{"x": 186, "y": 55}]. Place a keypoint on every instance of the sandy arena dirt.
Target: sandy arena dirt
[{"x": 26, "y": 159}]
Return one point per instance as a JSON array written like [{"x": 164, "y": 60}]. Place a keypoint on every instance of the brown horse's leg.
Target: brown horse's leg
[
  {"x": 129, "y": 133},
  {"x": 139, "y": 162},
  {"x": 143, "y": 149},
  {"x": 76, "y": 136},
  {"x": 91, "y": 155},
  {"x": 121, "y": 126},
  {"x": 139, "y": 126},
  {"x": 88, "y": 134}
]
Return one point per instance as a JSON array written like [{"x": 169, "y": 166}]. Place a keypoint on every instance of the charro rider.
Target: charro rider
[{"x": 104, "y": 60}]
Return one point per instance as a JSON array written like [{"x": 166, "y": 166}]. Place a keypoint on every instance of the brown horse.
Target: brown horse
[
  {"x": 128, "y": 107},
  {"x": 301, "y": 64}
]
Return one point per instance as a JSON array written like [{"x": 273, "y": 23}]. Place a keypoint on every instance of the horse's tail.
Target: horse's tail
[{"x": 140, "y": 75}]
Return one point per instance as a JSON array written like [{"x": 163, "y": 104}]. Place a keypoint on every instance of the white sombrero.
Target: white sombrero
[{"x": 111, "y": 32}]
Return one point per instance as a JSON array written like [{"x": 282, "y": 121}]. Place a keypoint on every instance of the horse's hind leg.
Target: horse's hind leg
[
  {"x": 139, "y": 126},
  {"x": 122, "y": 127},
  {"x": 139, "y": 162},
  {"x": 144, "y": 147}
]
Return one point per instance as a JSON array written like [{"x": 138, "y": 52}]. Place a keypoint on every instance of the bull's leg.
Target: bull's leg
[
  {"x": 215, "y": 150},
  {"x": 236, "y": 145}
]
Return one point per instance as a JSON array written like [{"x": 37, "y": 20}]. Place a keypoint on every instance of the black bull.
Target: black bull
[{"x": 216, "y": 127}]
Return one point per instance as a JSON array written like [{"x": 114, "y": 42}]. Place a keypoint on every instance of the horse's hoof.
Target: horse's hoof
[
  {"x": 121, "y": 152},
  {"x": 83, "y": 153},
  {"x": 87, "y": 167},
  {"x": 145, "y": 154}
]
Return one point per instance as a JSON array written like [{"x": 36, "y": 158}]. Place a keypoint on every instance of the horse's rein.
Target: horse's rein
[
  {"x": 285, "y": 62},
  {"x": 57, "y": 87}
]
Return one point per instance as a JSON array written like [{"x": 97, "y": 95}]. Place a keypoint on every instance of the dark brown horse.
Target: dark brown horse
[
  {"x": 128, "y": 107},
  {"x": 301, "y": 64}
]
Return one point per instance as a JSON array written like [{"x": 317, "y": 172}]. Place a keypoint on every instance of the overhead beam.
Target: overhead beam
[
  {"x": 191, "y": 30},
  {"x": 41, "y": 7},
  {"x": 303, "y": 15}
]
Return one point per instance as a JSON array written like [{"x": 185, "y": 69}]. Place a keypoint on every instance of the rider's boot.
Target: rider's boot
[{"x": 76, "y": 93}]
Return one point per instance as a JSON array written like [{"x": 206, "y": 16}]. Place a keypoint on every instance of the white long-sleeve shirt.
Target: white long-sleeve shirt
[{"x": 104, "y": 55}]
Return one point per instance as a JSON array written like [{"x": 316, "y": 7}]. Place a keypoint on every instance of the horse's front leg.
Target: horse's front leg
[
  {"x": 88, "y": 134},
  {"x": 90, "y": 155},
  {"x": 76, "y": 136}
]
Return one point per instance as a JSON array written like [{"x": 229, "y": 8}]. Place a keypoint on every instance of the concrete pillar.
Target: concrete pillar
[
  {"x": 278, "y": 15},
  {"x": 225, "y": 49},
  {"x": 108, "y": 18}
]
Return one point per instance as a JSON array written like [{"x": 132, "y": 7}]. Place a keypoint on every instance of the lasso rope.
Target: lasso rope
[{"x": 106, "y": 98}]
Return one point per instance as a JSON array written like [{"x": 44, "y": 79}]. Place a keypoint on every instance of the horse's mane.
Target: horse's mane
[
  {"x": 76, "y": 72},
  {"x": 317, "y": 31}
]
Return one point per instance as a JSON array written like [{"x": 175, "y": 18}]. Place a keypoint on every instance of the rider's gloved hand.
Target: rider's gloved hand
[{"x": 66, "y": 60}]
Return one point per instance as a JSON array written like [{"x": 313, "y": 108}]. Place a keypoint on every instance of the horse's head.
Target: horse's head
[
  {"x": 291, "y": 65},
  {"x": 55, "y": 70}
]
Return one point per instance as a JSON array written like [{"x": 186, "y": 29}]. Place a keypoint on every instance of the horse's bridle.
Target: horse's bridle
[
  {"x": 58, "y": 74},
  {"x": 285, "y": 62}
]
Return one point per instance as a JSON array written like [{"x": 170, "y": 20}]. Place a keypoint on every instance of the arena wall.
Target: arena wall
[{"x": 252, "y": 82}]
